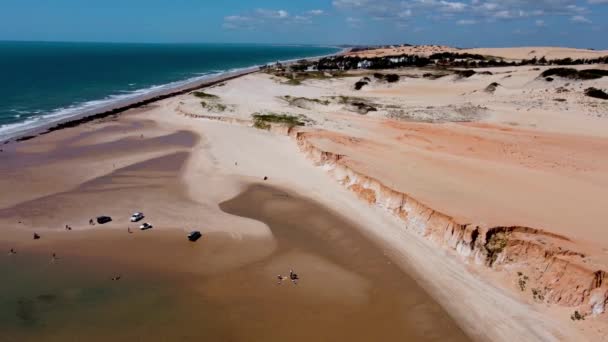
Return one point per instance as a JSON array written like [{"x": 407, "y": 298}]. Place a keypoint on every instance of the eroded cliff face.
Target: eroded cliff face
[{"x": 545, "y": 265}]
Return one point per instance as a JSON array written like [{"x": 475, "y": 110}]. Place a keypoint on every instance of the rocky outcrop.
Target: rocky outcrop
[{"x": 552, "y": 271}]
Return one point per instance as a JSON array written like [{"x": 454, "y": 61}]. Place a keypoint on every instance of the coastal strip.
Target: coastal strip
[{"x": 146, "y": 99}]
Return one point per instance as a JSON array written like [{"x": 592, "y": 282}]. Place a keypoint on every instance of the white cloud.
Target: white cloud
[
  {"x": 488, "y": 10},
  {"x": 539, "y": 23},
  {"x": 272, "y": 14},
  {"x": 353, "y": 22},
  {"x": 405, "y": 14},
  {"x": 466, "y": 22},
  {"x": 316, "y": 12},
  {"x": 580, "y": 19},
  {"x": 262, "y": 16}
]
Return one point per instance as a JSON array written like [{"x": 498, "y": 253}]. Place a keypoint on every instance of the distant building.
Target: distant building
[{"x": 364, "y": 64}]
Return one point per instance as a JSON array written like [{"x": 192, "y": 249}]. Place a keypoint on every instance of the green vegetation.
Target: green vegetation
[
  {"x": 301, "y": 101},
  {"x": 297, "y": 77},
  {"x": 538, "y": 295},
  {"x": 263, "y": 121},
  {"x": 433, "y": 76},
  {"x": 465, "y": 73},
  {"x": 360, "y": 85},
  {"x": 576, "y": 316},
  {"x": 522, "y": 281},
  {"x": 491, "y": 88},
  {"x": 597, "y": 93},
  {"x": 361, "y": 107},
  {"x": 588, "y": 74},
  {"x": 392, "y": 78},
  {"x": 203, "y": 95},
  {"x": 214, "y": 107},
  {"x": 495, "y": 245},
  {"x": 347, "y": 99},
  {"x": 355, "y": 104}
]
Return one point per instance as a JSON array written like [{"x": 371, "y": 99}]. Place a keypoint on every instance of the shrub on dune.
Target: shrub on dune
[
  {"x": 360, "y": 85},
  {"x": 597, "y": 93},
  {"x": 391, "y": 78},
  {"x": 587, "y": 74}
]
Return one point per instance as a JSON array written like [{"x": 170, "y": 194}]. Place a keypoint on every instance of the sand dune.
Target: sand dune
[{"x": 511, "y": 53}]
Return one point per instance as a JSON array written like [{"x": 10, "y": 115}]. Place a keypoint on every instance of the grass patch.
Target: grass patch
[
  {"x": 296, "y": 78},
  {"x": 214, "y": 107},
  {"x": 301, "y": 101},
  {"x": 341, "y": 99},
  {"x": 203, "y": 95},
  {"x": 264, "y": 121}
]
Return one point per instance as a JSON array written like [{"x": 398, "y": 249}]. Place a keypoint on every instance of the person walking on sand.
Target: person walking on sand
[
  {"x": 91, "y": 222},
  {"x": 54, "y": 257},
  {"x": 294, "y": 277},
  {"x": 280, "y": 279},
  {"x": 12, "y": 252}
]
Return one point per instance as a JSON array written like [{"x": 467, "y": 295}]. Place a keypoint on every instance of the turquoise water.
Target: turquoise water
[{"x": 43, "y": 82}]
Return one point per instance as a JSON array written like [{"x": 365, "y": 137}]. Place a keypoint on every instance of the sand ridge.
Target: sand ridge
[{"x": 510, "y": 53}]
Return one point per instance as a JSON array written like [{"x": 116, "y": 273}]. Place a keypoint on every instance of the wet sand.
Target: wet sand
[
  {"x": 348, "y": 289},
  {"x": 222, "y": 288}
]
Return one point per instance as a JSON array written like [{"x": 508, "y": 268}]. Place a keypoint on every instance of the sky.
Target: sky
[{"x": 462, "y": 23}]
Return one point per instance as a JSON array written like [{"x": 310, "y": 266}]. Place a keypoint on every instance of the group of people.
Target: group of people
[
  {"x": 54, "y": 257},
  {"x": 13, "y": 251},
  {"x": 292, "y": 276}
]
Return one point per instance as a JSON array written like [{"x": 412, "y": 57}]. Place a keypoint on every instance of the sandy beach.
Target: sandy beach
[{"x": 388, "y": 201}]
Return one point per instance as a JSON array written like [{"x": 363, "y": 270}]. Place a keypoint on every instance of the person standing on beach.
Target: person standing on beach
[{"x": 294, "y": 277}]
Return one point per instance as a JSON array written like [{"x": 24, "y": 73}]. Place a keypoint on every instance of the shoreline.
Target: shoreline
[{"x": 120, "y": 106}]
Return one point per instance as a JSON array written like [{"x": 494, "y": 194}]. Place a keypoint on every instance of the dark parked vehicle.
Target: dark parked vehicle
[
  {"x": 104, "y": 219},
  {"x": 193, "y": 236},
  {"x": 146, "y": 226}
]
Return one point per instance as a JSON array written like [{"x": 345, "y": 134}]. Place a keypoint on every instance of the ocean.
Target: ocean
[{"x": 43, "y": 82}]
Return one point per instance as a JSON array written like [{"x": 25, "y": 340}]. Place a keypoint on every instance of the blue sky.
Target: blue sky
[{"x": 464, "y": 23}]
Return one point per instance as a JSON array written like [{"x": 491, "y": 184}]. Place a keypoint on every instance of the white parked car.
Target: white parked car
[
  {"x": 145, "y": 226},
  {"x": 136, "y": 217}
]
